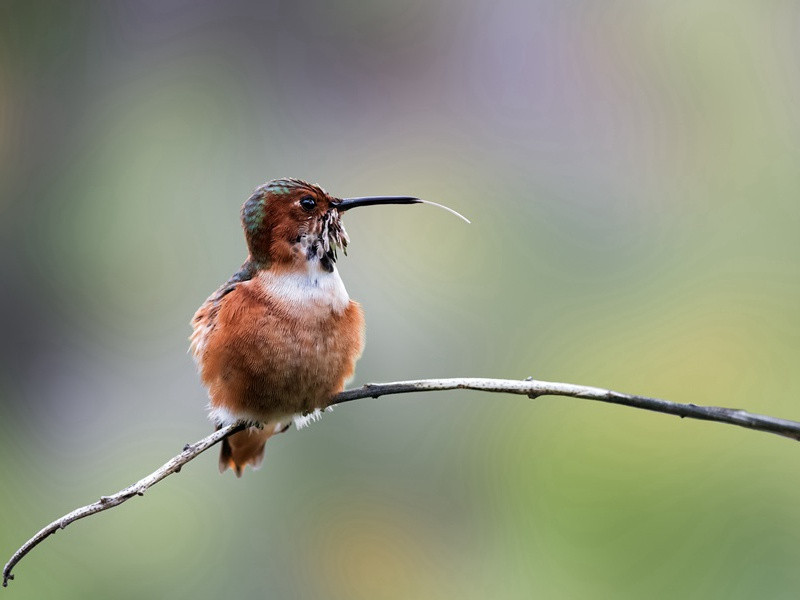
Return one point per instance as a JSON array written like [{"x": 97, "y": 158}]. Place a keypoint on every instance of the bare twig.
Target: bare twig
[
  {"x": 173, "y": 465},
  {"x": 533, "y": 389},
  {"x": 529, "y": 387}
]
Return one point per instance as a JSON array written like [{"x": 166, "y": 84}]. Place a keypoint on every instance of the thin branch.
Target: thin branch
[
  {"x": 533, "y": 389},
  {"x": 173, "y": 465},
  {"x": 529, "y": 387}
]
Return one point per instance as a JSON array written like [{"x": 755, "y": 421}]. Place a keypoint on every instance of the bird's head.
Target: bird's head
[{"x": 288, "y": 222}]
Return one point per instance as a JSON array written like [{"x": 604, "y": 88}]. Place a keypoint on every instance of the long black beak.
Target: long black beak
[{"x": 348, "y": 203}]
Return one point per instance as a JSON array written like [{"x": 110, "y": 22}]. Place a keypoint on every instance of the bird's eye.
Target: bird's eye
[{"x": 307, "y": 203}]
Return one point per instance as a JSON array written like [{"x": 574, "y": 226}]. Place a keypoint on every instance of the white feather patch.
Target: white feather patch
[
  {"x": 303, "y": 421},
  {"x": 314, "y": 286},
  {"x": 222, "y": 416}
]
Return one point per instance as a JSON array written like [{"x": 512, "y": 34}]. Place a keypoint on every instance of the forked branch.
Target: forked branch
[{"x": 529, "y": 387}]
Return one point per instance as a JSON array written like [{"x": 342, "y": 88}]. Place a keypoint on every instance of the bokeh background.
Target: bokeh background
[{"x": 631, "y": 172}]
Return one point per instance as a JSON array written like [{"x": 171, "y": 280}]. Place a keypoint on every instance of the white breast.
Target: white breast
[{"x": 312, "y": 287}]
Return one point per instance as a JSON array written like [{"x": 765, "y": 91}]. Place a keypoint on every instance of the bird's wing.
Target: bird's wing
[{"x": 205, "y": 318}]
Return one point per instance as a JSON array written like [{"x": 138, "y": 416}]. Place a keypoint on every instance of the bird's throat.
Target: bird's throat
[{"x": 313, "y": 286}]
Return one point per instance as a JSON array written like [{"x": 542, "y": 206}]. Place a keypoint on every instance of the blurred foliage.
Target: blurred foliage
[{"x": 631, "y": 173}]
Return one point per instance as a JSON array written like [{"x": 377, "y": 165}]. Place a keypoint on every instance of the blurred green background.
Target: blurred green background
[{"x": 631, "y": 172}]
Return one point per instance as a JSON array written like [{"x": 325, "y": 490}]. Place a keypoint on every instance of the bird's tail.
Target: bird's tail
[{"x": 243, "y": 448}]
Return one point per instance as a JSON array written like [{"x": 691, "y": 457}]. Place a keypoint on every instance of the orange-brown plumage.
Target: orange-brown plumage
[
  {"x": 266, "y": 358},
  {"x": 281, "y": 337}
]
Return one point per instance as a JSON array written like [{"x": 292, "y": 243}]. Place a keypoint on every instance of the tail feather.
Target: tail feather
[{"x": 243, "y": 448}]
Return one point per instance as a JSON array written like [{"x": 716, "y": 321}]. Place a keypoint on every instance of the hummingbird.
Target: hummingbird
[{"x": 278, "y": 340}]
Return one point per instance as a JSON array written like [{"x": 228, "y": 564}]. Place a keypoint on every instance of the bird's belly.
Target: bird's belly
[
  {"x": 281, "y": 345},
  {"x": 303, "y": 371},
  {"x": 284, "y": 365}
]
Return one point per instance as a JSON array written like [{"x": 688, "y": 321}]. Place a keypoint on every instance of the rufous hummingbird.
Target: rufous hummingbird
[{"x": 278, "y": 340}]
